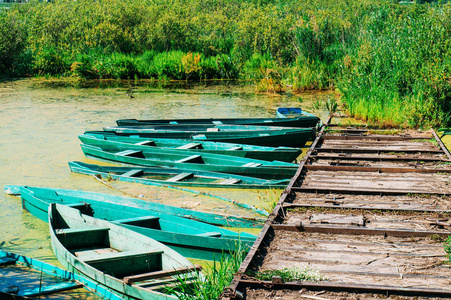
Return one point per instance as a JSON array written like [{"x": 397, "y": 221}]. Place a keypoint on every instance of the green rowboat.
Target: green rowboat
[
  {"x": 28, "y": 278},
  {"x": 120, "y": 259},
  {"x": 300, "y": 120},
  {"x": 176, "y": 177},
  {"x": 214, "y": 219},
  {"x": 251, "y": 135},
  {"x": 188, "y": 237},
  {"x": 193, "y": 161},
  {"x": 287, "y": 154}
]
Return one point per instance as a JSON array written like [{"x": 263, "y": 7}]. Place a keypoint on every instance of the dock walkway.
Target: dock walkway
[{"x": 370, "y": 210}]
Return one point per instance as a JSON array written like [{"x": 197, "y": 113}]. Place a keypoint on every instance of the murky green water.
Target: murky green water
[{"x": 40, "y": 122}]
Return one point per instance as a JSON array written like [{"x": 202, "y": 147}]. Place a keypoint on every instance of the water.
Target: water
[{"x": 40, "y": 121}]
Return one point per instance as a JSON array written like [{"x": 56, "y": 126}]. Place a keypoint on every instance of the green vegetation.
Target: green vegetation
[
  {"x": 389, "y": 61},
  {"x": 216, "y": 278},
  {"x": 305, "y": 273},
  {"x": 269, "y": 199},
  {"x": 447, "y": 246}
]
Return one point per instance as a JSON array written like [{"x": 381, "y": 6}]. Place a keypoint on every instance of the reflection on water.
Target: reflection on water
[{"x": 40, "y": 121}]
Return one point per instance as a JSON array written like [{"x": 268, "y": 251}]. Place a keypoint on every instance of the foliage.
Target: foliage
[
  {"x": 304, "y": 273},
  {"x": 269, "y": 199},
  {"x": 216, "y": 278},
  {"x": 447, "y": 246},
  {"x": 390, "y": 62}
]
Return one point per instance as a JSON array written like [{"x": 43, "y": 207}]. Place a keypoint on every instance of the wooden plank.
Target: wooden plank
[
  {"x": 190, "y": 159},
  {"x": 135, "y": 153},
  {"x": 374, "y": 137},
  {"x": 375, "y": 150},
  {"x": 116, "y": 256},
  {"x": 146, "y": 143},
  {"x": 180, "y": 177},
  {"x": 358, "y": 230},
  {"x": 133, "y": 173},
  {"x": 210, "y": 234},
  {"x": 160, "y": 274},
  {"x": 252, "y": 165},
  {"x": 135, "y": 221},
  {"x": 190, "y": 146},
  {"x": 338, "y": 286},
  {"x": 79, "y": 238},
  {"x": 50, "y": 289},
  {"x": 374, "y": 191},
  {"x": 235, "y": 148},
  {"x": 374, "y": 169},
  {"x": 346, "y": 156},
  {"x": 339, "y": 205},
  {"x": 230, "y": 181}
]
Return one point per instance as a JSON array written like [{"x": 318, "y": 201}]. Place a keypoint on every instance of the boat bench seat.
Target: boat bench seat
[
  {"x": 125, "y": 263},
  {"x": 81, "y": 237},
  {"x": 230, "y": 181},
  {"x": 7, "y": 261},
  {"x": 251, "y": 165},
  {"x": 138, "y": 221},
  {"x": 191, "y": 159},
  {"x": 235, "y": 148},
  {"x": 133, "y": 153},
  {"x": 180, "y": 177},
  {"x": 133, "y": 173},
  {"x": 209, "y": 234},
  {"x": 116, "y": 256},
  {"x": 199, "y": 137},
  {"x": 190, "y": 146},
  {"x": 146, "y": 143},
  {"x": 161, "y": 273},
  {"x": 50, "y": 289}
]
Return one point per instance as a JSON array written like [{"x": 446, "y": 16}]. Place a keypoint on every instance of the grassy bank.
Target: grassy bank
[{"x": 390, "y": 62}]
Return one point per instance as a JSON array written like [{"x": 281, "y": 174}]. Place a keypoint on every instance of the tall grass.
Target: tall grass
[{"x": 214, "y": 279}]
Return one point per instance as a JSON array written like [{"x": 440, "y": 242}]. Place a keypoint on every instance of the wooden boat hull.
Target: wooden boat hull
[
  {"x": 188, "y": 237},
  {"x": 286, "y": 154},
  {"x": 176, "y": 177},
  {"x": 209, "y": 218},
  {"x": 270, "y": 136},
  {"x": 299, "y": 121},
  {"x": 126, "y": 262},
  {"x": 25, "y": 278},
  {"x": 205, "y": 162}
]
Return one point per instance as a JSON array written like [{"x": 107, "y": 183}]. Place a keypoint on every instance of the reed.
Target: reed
[{"x": 216, "y": 278}]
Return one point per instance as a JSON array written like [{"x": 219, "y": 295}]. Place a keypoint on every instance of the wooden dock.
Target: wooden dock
[{"x": 370, "y": 210}]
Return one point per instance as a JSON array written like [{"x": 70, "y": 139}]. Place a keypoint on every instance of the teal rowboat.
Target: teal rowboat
[
  {"x": 250, "y": 135},
  {"x": 287, "y": 154},
  {"x": 176, "y": 177},
  {"x": 28, "y": 278},
  {"x": 214, "y": 219},
  {"x": 299, "y": 121},
  {"x": 188, "y": 237},
  {"x": 193, "y": 161},
  {"x": 116, "y": 257},
  {"x": 289, "y": 113}
]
